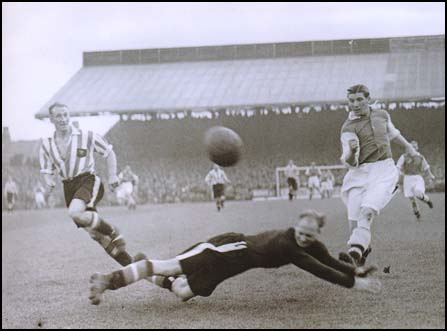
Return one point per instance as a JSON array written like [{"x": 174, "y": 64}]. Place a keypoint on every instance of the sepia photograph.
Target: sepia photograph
[{"x": 223, "y": 165}]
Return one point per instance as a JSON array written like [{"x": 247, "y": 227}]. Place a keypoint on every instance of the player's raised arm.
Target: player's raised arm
[{"x": 397, "y": 137}]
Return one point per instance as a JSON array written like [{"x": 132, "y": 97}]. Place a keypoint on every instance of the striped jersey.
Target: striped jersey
[
  {"x": 78, "y": 158},
  {"x": 216, "y": 177},
  {"x": 412, "y": 165},
  {"x": 291, "y": 171},
  {"x": 11, "y": 187}
]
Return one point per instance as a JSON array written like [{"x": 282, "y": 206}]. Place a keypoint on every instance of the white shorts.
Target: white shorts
[
  {"x": 314, "y": 181},
  {"x": 124, "y": 191},
  {"x": 414, "y": 186},
  {"x": 327, "y": 185},
  {"x": 40, "y": 198},
  {"x": 370, "y": 185}
]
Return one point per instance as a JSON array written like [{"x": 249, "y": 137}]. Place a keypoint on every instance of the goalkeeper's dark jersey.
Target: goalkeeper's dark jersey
[
  {"x": 208, "y": 264},
  {"x": 273, "y": 249}
]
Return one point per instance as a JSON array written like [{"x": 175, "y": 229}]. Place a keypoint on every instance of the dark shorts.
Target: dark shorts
[
  {"x": 10, "y": 197},
  {"x": 218, "y": 190},
  {"x": 206, "y": 266},
  {"x": 85, "y": 187},
  {"x": 292, "y": 182}
]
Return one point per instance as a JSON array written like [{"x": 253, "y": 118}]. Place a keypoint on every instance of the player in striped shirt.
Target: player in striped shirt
[
  {"x": 11, "y": 193},
  {"x": 201, "y": 268},
  {"x": 69, "y": 153},
  {"x": 293, "y": 178},
  {"x": 217, "y": 178},
  {"x": 372, "y": 176},
  {"x": 411, "y": 168}
]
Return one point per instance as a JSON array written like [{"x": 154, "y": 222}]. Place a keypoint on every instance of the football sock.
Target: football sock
[
  {"x": 356, "y": 252},
  {"x": 104, "y": 228},
  {"x": 123, "y": 258},
  {"x": 99, "y": 225},
  {"x": 130, "y": 274},
  {"x": 424, "y": 198},
  {"x": 415, "y": 207}
]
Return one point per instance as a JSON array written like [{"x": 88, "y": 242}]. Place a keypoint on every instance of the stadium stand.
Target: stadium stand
[
  {"x": 286, "y": 100},
  {"x": 170, "y": 160}
]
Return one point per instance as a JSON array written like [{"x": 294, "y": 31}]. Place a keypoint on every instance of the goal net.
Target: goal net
[{"x": 282, "y": 188}]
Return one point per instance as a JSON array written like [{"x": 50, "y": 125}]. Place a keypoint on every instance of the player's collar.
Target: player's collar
[
  {"x": 74, "y": 131},
  {"x": 353, "y": 116}
]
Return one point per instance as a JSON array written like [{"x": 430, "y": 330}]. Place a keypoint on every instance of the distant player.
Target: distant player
[
  {"x": 412, "y": 168},
  {"x": 369, "y": 184},
  {"x": 293, "y": 177},
  {"x": 39, "y": 196},
  {"x": 201, "y": 268},
  {"x": 313, "y": 183},
  {"x": 216, "y": 179},
  {"x": 11, "y": 193},
  {"x": 69, "y": 152},
  {"x": 327, "y": 184},
  {"x": 128, "y": 188}
]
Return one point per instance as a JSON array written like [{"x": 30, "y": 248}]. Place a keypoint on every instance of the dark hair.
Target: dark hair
[
  {"x": 54, "y": 105},
  {"x": 359, "y": 88},
  {"x": 319, "y": 217}
]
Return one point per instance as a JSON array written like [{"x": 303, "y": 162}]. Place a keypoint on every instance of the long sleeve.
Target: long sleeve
[
  {"x": 400, "y": 162},
  {"x": 320, "y": 270},
  {"x": 101, "y": 146},
  {"x": 46, "y": 166},
  {"x": 392, "y": 131},
  {"x": 321, "y": 253}
]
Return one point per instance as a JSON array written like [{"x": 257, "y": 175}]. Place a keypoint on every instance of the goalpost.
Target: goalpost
[{"x": 337, "y": 170}]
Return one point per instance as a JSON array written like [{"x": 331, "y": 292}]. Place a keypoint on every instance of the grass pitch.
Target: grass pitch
[{"x": 47, "y": 262}]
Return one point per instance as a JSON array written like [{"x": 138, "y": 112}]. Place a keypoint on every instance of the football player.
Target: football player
[
  {"x": 412, "y": 168},
  {"x": 217, "y": 178},
  {"x": 293, "y": 177},
  {"x": 369, "y": 184},
  {"x": 11, "y": 193},
  {"x": 69, "y": 153},
  {"x": 313, "y": 173},
  {"x": 128, "y": 188},
  {"x": 327, "y": 184},
  {"x": 201, "y": 268}
]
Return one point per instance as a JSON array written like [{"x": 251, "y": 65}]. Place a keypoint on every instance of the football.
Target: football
[{"x": 223, "y": 146}]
